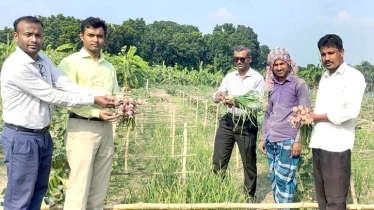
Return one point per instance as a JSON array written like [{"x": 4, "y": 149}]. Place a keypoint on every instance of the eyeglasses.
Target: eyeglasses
[
  {"x": 42, "y": 71},
  {"x": 241, "y": 59}
]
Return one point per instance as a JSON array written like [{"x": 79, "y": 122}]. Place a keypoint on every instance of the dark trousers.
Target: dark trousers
[
  {"x": 332, "y": 172},
  {"x": 28, "y": 160},
  {"x": 246, "y": 140}
]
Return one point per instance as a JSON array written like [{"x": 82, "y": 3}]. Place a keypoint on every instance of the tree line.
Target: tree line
[
  {"x": 169, "y": 47},
  {"x": 161, "y": 41}
]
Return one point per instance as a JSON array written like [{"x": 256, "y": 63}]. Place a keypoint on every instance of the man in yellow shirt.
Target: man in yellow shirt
[{"x": 89, "y": 135}]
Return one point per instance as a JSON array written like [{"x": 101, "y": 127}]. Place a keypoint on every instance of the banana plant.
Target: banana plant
[
  {"x": 6, "y": 49},
  {"x": 132, "y": 70}
]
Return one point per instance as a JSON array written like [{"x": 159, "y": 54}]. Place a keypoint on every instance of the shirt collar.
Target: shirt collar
[
  {"x": 85, "y": 54},
  {"x": 340, "y": 70},
  {"x": 248, "y": 74},
  {"x": 27, "y": 58},
  {"x": 289, "y": 78}
]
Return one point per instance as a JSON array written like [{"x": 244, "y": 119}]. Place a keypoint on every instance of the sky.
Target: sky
[{"x": 296, "y": 25}]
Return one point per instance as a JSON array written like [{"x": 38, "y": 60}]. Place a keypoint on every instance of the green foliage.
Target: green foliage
[
  {"x": 225, "y": 37},
  {"x": 6, "y": 49},
  {"x": 131, "y": 32},
  {"x": 60, "y": 166},
  {"x": 312, "y": 75},
  {"x": 59, "y": 30},
  {"x": 161, "y": 41},
  {"x": 367, "y": 70},
  {"x": 131, "y": 68}
]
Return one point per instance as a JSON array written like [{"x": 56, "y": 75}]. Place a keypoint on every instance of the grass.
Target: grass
[
  {"x": 201, "y": 185},
  {"x": 159, "y": 180}
]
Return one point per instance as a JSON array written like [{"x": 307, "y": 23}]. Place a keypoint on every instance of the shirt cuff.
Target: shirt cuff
[{"x": 95, "y": 113}]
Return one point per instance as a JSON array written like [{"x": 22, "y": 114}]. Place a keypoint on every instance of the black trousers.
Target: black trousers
[
  {"x": 246, "y": 139},
  {"x": 332, "y": 172}
]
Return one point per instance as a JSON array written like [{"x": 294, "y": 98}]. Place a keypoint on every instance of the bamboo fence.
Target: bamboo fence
[
  {"x": 187, "y": 100},
  {"x": 225, "y": 205}
]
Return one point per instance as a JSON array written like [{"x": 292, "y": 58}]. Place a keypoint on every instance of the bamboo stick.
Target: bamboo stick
[
  {"x": 173, "y": 130},
  {"x": 184, "y": 159},
  {"x": 183, "y": 98},
  {"x": 225, "y": 205},
  {"x": 142, "y": 124},
  {"x": 353, "y": 192},
  {"x": 190, "y": 102},
  {"x": 206, "y": 113},
  {"x": 237, "y": 156},
  {"x": 216, "y": 126},
  {"x": 197, "y": 110},
  {"x": 127, "y": 148}
]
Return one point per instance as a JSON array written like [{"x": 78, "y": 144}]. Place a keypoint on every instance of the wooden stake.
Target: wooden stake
[
  {"x": 216, "y": 126},
  {"x": 184, "y": 160},
  {"x": 190, "y": 102},
  {"x": 197, "y": 110},
  {"x": 173, "y": 131},
  {"x": 237, "y": 156},
  {"x": 206, "y": 113},
  {"x": 127, "y": 149},
  {"x": 353, "y": 192}
]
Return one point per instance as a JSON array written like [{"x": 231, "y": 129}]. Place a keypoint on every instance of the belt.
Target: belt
[
  {"x": 75, "y": 116},
  {"x": 20, "y": 128}
]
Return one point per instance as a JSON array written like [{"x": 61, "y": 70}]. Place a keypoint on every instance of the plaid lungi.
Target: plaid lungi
[{"x": 283, "y": 168}]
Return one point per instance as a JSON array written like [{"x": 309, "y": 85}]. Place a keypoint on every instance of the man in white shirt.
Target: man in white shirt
[
  {"x": 238, "y": 83},
  {"x": 338, "y": 104},
  {"x": 28, "y": 79}
]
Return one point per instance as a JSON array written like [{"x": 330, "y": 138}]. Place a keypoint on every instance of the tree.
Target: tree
[
  {"x": 131, "y": 69},
  {"x": 6, "y": 49},
  {"x": 130, "y": 33},
  {"x": 169, "y": 42},
  {"x": 312, "y": 75},
  {"x": 59, "y": 30},
  {"x": 368, "y": 71},
  {"x": 222, "y": 41},
  {"x": 6, "y": 34}
]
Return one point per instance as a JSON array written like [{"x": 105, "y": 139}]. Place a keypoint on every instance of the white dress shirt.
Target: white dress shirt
[
  {"x": 27, "y": 90},
  {"x": 339, "y": 96},
  {"x": 234, "y": 85}
]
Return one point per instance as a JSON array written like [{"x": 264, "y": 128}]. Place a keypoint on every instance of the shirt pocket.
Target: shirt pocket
[{"x": 288, "y": 100}]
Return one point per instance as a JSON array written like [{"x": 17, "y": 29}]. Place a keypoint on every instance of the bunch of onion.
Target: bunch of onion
[
  {"x": 302, "y": 120},
  {"x": 249, "y": 104},
  {"x": 128, "y": 108}
]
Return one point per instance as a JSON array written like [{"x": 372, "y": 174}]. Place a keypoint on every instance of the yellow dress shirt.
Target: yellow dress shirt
[{"x": 99, "y": 76}]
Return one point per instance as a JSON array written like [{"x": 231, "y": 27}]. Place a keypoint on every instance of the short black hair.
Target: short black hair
[
  {"x": 331, "y": 40},
  {"x": 94, "y": 23},
  {"x": 243, "y": 47},
  {"x": 30, "y": 19}
]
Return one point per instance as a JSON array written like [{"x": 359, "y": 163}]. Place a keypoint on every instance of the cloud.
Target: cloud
[
  {"x": 346, "y": 18},
  {"x": 222, "y": 14}
]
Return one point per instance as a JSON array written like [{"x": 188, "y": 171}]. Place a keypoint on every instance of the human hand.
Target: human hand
[
  {"x": 262, "y": 147},
  {"x": 118, "y": 102},
  {"x": 296, "y": 149},
  {"x": 220, "y": 96},
  {"x": 313, "y": 116},
  {"x": 104, "y": 101},
  {"x": 108, "y": 116},
  {"x": 110, "y": 98}
]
